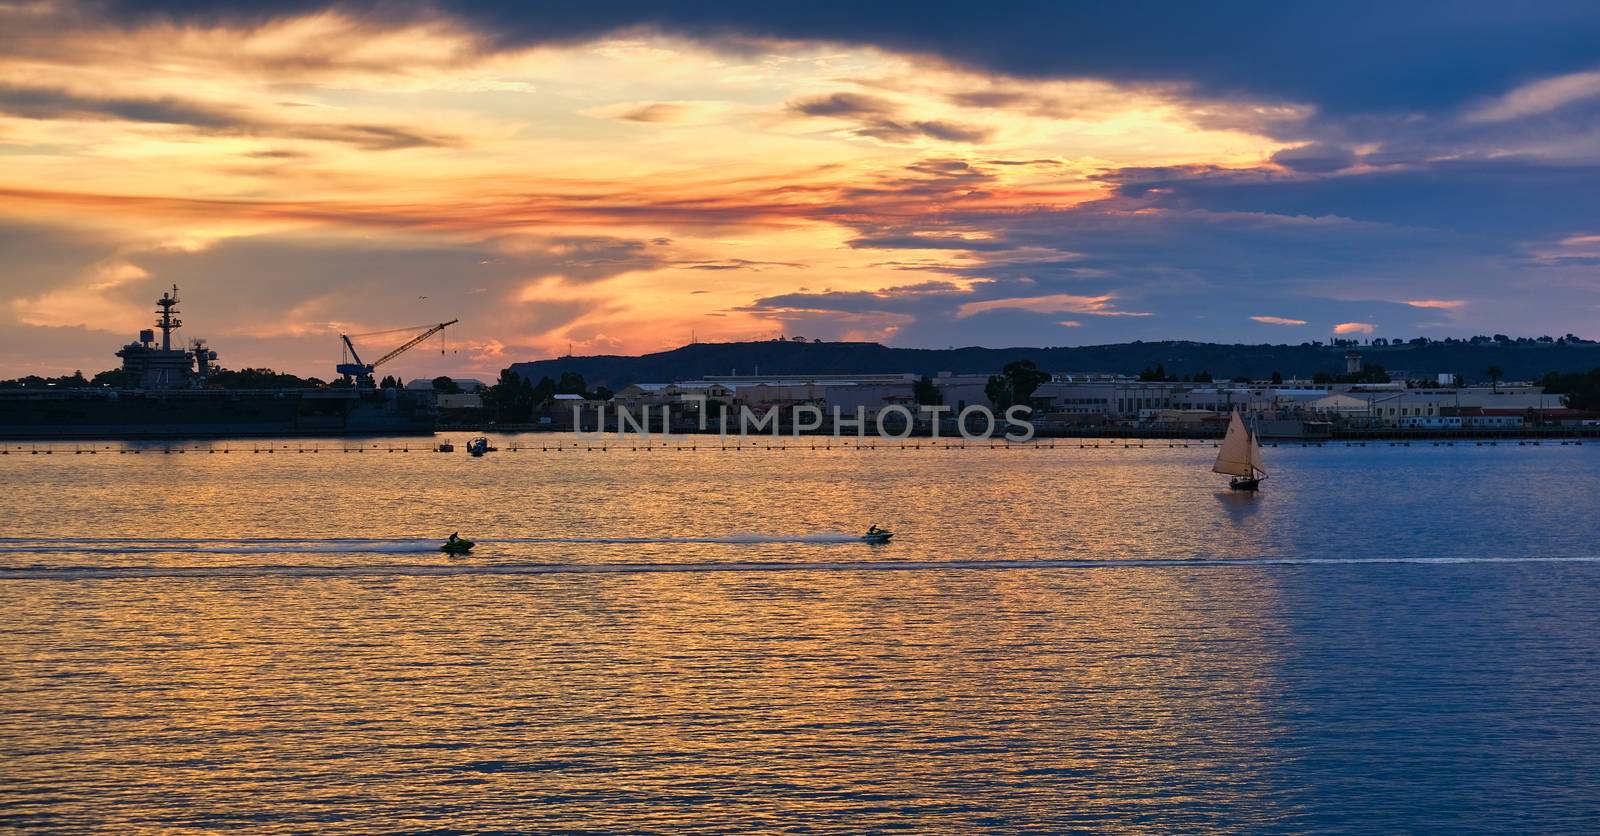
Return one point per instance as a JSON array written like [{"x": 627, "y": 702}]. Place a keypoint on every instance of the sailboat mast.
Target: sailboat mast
[{"x": 1256, "y": 470}]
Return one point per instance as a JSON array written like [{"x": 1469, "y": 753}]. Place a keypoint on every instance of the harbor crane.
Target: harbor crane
[{"x": 360, "y": 373}]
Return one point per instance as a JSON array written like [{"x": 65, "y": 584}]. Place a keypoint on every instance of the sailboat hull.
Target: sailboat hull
[{"x": 1244, "y": 484}]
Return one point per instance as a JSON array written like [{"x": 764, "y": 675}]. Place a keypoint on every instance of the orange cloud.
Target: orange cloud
[
  {"x": 766, "y": 167},
  {"x": 1354, "y": 328}
]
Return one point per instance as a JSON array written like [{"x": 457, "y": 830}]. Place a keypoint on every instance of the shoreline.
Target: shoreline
[
  {"x": 568, "y": 442},
  {"x": 1133, "y": 433},
  {"x": 1041, "y": 433}
]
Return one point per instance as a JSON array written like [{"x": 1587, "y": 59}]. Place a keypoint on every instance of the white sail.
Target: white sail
[
  {"x": 1235, "y": 456},
  {"x": 1255, "y": 456}
]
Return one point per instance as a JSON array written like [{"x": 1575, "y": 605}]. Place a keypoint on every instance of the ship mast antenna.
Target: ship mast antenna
[{"x": 168, "y": 323}]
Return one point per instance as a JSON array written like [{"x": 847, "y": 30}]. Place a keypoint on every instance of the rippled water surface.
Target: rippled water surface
[{"x": 1386, "y": 639}]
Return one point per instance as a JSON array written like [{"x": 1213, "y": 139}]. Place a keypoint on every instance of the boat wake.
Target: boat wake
[
  {"x": 355, "y": 545},
  {"x": 459, "y": 569},
  {"x": 234, "y": 546},
  {"x": 730, "y": 539}
]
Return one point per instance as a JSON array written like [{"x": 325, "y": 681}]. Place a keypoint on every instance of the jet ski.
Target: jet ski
[
  {"x": 457, "y": 545},
  {"x": 877, "y": 535}
]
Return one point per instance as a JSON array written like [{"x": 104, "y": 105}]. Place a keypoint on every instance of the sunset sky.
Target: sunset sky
[{"x": 619, "y": 177}]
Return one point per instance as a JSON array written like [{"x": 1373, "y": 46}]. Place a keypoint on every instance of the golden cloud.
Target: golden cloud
[{"x": 757, "y": 166}]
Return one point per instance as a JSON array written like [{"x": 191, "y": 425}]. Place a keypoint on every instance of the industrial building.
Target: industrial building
[{"x": 1294, "y": 408}]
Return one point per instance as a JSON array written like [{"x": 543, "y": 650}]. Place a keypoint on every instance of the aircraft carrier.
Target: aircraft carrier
[{"x": 166, "y": 396}]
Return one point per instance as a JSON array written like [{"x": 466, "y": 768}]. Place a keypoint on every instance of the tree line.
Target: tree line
[
  {"x": 1579, "y": 390},
  {"x": 514, "y": 400}
]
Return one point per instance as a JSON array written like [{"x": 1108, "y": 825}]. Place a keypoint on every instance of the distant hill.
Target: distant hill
[{"x": 1518, "y": 361}]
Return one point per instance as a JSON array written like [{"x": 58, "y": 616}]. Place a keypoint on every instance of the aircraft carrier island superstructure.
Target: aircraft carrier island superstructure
[{"x": 165, "y": 395}]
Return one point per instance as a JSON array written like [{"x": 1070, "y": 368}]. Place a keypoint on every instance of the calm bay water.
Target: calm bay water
[{"x": 1387, "y": 639}]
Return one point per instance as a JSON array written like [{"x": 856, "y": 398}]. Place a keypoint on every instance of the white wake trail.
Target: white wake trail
[{"x": 448, "y": 569}]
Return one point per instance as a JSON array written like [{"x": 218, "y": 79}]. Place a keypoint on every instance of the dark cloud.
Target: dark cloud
[
  {"x": 902, "y": 299},
  {"x": 1002, "y": 99},
  {"x": 1024, "y": 97},
  {"x": 843, "y": 105},
  {"x": 951, "y": 168},
  {"x": 1204, "y": 248},
  {"x": 1316, "y": 158},
  {"x": 917, "y": 241},
  {"x": 875, "y": 117},
  {"x": 892, "y": 130},
  {"x": 656, "y": 112},
  {"x": 45, "y": 103},
  {"x": 936, "y": 314},
  {"x": 1494, "y": 201},
  {"x": 369, "y": 137},
  {"x": 50, "y": 103},
  {"x": 1362, "y": 55},
  {"x": 735, "y": 264},
  {"x": 951, "y": 131},
  {"x": 925, "y": 180}
]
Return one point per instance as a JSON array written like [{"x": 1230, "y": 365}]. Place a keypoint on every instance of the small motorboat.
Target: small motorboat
[
  {"x": 478, "y": 446},
  {"x": 877, "y": 535},
  {"x": 457, "y": 545},
  {"x": 445, "y": 447}
]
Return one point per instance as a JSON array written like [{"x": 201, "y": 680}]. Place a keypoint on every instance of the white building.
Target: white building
[
  {"x": 697, "y": 391},
  {"x": 1336, "y": 405},
  {"x": 1391, "y": 404},
  {"x": 866, "y": 394},
  {"x": 1114, "y": 397}
]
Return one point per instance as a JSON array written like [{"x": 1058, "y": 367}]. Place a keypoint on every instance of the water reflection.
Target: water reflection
[
  {"x": 620, "y": 701},
  {"x": 1239, "y": 506},
  {"x": 1126, "y": 698}
]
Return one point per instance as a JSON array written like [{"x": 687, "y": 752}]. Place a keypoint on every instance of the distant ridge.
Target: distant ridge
[{"x": 1517, "y": 361}]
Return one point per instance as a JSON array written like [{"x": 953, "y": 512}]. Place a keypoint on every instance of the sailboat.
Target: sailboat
[{"x": 1240, "y": 457}]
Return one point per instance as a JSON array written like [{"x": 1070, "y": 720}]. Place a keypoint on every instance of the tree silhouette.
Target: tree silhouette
[
  {"x": 510, "y": 399},
  {"x": 1015, "y": 384}
]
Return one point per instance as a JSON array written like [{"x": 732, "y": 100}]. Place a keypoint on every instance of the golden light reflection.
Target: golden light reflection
[{"x": 1092, "y": 694}]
